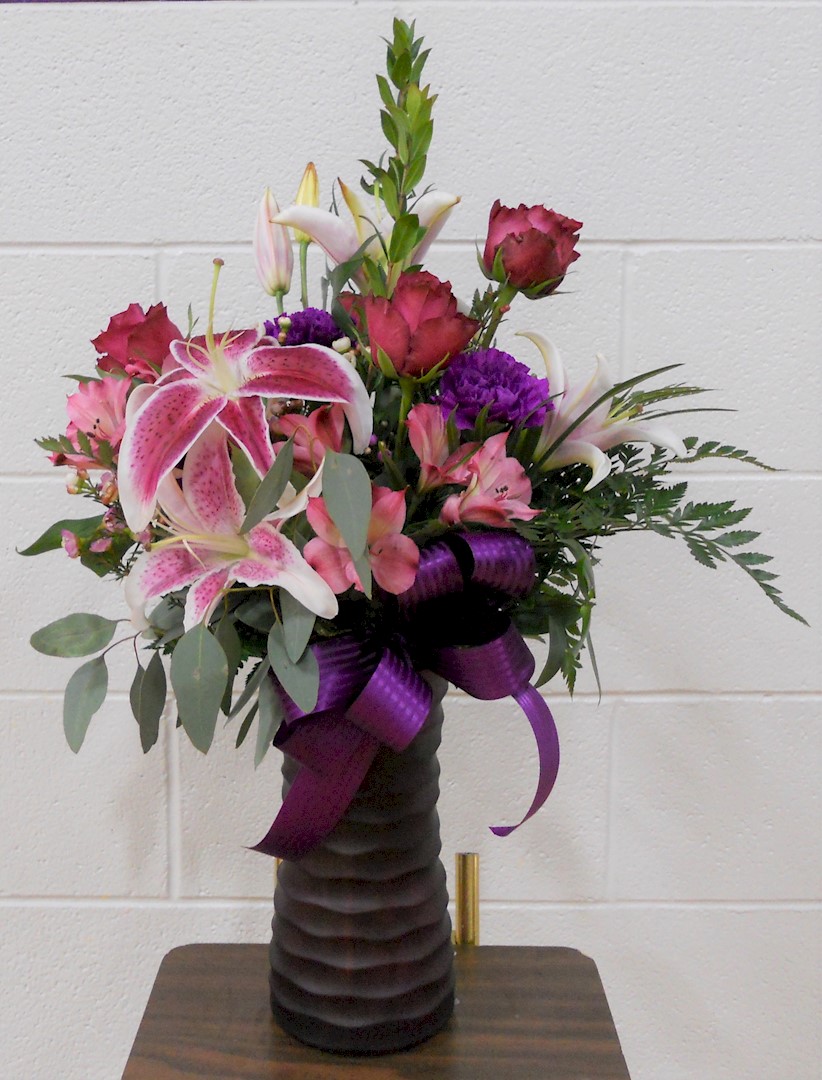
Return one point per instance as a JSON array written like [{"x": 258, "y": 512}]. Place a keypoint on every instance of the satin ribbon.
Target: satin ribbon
[{"x": 372, "y": 695}]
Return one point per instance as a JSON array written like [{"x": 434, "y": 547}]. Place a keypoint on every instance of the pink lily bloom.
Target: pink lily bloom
[
  {"x": 341, "y": 238},
  {"x": 605, "y": 428},
  {"x": 273, "y": 256},
  {"x": 226, "y": 379},
  {"x": 321, "y": 430},
  {"x": 428, "y": 436},
  {"x": 497, "y": 492},
  {"x": 394, "y": 558},
  {"x": 206, "y": 549},
  {"x": 98, "y": 409}
]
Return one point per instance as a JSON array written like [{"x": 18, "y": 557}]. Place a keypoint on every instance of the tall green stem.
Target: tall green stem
[
  {"x": 407, "y": 388},
  {"x": 304, "y": 274}
]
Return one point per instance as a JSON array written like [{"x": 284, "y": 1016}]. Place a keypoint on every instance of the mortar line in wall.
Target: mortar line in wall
[
  {"x": 213, "y": 903},
  {"x": 185, "y": 246},
  {"x": 173, "y": 804}
]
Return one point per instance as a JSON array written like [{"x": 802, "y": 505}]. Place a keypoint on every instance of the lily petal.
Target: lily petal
[
  {"x": 575, "y": 450},
  {"x": 244, "y": 420},
  {"x": 203, "y": 597},
  {"x": 337, "y": 237},
  {"x": 162, "y": 571},
  {"x": 163, "y": 428},
  {"x": 274, "y": 560},
  {"x": 433, "y": 209},
  {"x": 208, "y": 483},
  {"x": 313, "y": 372}
]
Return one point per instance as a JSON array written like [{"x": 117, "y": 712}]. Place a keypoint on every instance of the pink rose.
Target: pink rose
[
  {"x": 418, "y": 327},
  {"x": 530, "y": 247},
  {"x": 136, "y": 342}
]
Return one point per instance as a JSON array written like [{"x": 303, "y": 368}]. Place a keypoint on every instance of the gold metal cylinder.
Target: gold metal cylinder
[{"x": 466, "y": 921}]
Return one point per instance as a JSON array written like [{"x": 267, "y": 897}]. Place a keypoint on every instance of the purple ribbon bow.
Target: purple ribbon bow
[{"x": 372, "y": 696}]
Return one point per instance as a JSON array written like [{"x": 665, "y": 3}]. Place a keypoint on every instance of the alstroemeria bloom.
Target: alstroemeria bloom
[
  {"x": 394, "y": 558},
  {"x": 226, "y": 378},
  {"x": 341, "y": 238},
  {"x": 206, "y": 549},
  {"x": 428, "y": 435},
  {"x": 606, "y": 427},
  {"x": 321, "y": 430},
  {"x": 98, "y": 410},
  {"x": 497, "y": 492}
]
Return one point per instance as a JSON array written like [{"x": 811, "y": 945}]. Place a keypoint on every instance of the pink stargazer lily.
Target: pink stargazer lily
[
  {"x": 393, "y": 557},
  {"x": 606, "y": 427},
  {"x": 226, "y": 378},
  {"x": 340, "y": 238},
  {"x": 497, "y": 492},
  {"x": 206, "y": 549}
]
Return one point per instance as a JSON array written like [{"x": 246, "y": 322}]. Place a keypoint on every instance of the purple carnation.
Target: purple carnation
[
  {"x": 493, "y": 378},
  {"x": 310, "y": 327}
]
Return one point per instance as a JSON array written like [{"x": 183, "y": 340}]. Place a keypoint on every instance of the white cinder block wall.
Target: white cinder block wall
[{"x": 681, "y": 848}]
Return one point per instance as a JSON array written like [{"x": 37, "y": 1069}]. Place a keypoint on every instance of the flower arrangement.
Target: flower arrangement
[{"x": 325, "y": 505}]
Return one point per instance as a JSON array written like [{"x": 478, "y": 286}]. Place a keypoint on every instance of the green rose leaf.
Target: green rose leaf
[
  {"x": 270, "y": 714},
  {"x": 52, "y": 538},
  {"x": 199, "y": 672},
  {"x": 298, "y": 622},
  {"x": 273, "y": 484},
  {"x": 300, "y": 680},
  {"x": 148, "y": 697},
  {"x": 347, "y": 494},
  {"x": 85, "y": 693},
  {"x": 74, "y": 635}
]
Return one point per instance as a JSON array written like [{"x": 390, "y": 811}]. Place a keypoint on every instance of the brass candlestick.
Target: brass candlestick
[{"x": 466, "y": 921}]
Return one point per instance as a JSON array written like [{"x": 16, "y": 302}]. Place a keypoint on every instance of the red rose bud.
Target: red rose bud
[
  {"x": 529, "y": 247},
  {"x": 136, "y": 342},
  {"x": 418, "y": 327}
]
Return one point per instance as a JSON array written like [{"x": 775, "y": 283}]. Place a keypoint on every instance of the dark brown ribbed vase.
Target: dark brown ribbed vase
[{"x": 361, "y": 954}]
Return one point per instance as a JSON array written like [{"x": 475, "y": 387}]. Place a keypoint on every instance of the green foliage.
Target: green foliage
[
  {"x": 52, "y": 538},
  {"x": 298, "y": 625},
  {"x": 85, "y": 693},
  {"x": 265, "y": 498},
  {"x": 74, "y": 635},
  {"x": 147, "y": 697},
  {"x": 199, "y": 672},
  {"x": 300, "y": 679},
  {"x": 270, "y": 713}
]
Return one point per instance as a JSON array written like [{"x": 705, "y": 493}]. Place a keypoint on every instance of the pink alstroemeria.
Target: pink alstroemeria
[
  {"x": 606, "y": 427},
  {"x": 98, "y": 410},
  {"x": 497, "y": 492},
  {"x": 341, "y": 238},
  {"x": 226, "y": 378},
  {"x": 394, "y": 558},
  {"x": 321, "y": 430},
  {"x": 206, "y": 549},
  {"x": 428, "y": 435}
]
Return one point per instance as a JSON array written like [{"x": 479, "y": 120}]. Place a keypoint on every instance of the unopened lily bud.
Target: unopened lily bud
[
  {"x": 308, "y": 194},
  {"x": 273, "y": 256}
]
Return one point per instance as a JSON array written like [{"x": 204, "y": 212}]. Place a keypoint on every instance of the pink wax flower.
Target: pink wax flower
[
  {"x": 98, "y": 410},
  {"x": 428, "y": 436},
  {"x": 136, "y": 342},
  {"x": 321, "y": 430},
  {"x": 497, "y": 492},
  {"x": 394, "y": 558},
  {"x": 530, "y": 247}
]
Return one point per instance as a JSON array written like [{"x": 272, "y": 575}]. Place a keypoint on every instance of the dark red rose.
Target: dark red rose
[
  {"x": 530, "y": 247},
  {"x": 137, "y": 342},
  {"x": 419, "y": 326}
]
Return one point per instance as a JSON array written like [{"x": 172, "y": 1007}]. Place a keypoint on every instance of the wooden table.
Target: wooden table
[{"x": 522, "y": 1014}]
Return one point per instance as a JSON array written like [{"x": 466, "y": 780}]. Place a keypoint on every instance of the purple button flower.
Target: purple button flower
[{"x": 494, "y": 378}]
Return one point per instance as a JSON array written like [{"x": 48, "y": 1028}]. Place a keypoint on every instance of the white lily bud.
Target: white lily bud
[{"x": 273, "y": 256}]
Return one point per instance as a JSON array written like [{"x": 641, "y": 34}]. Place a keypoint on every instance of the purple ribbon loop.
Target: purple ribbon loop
[{"x": 370, "y": 697}]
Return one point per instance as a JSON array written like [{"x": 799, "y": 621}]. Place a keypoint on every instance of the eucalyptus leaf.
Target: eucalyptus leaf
[
  {"x": 246, "y": 725},
  {"x": 347, "y": 495},
  {"x": 273, "y": 485},
  {"x": 229, "y": 639},
  {"x": 270, "y": 714},
  {"x": 301, "y": 680},
  {"x": 148, "y": 697},
  {"x": 52, "y": 538},
  {"x": 298, "y": 622},
  {"x": 74, "y": 635},
  {"x": 250, "y": 688},
  {"x": 199, "y": 671},
  {"x": 257, "y": 613},
  {"x": 245, "y": 475},
  {"x": 85, "y": 693}
]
